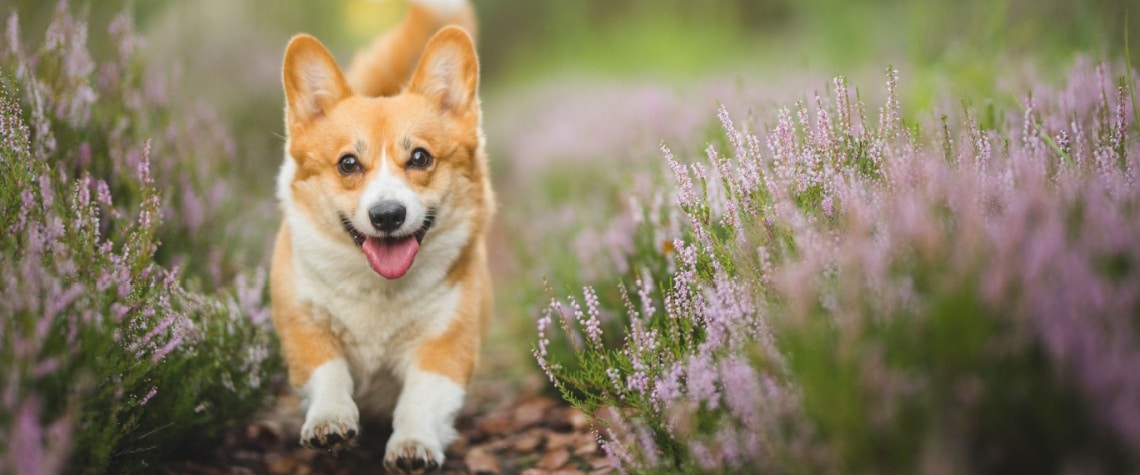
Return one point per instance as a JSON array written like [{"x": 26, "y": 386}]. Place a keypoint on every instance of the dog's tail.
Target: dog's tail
[{"x": 383, "y": 67}]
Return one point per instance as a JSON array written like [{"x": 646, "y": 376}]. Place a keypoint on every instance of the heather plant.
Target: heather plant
[
  {"x": 106, "y": 107},
  {"x": 109, "y": 194},
  {"x": 834, "y": 292}
]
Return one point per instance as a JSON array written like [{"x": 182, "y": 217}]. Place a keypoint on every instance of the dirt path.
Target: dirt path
[{"x": 503, "y": 429}]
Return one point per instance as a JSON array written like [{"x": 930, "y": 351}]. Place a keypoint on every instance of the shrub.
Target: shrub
[
  {"x": 109, "y": 361},
  {"x": 896, "y": 296}
]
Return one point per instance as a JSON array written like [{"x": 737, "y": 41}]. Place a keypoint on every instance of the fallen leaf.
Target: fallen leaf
[
  {"x": 496, "y": 423},
  {"x": 532, "y": 413},
  {"x": 481, "y": 462},
  {"x": 555, "y": 440},
  {"x": 578, "y": 419},
  {"x": 528, "y": 441},
  {"x": 601, "y": 463},
  {"x": 554, "y": 459},
  {"x": 497, "y": 445},
  {"x": 279, "y": 464},
  {"x": 587, "y": 448}
]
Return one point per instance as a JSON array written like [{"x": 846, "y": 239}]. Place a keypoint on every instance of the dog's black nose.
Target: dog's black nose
[{"x": 387, "y": 216}]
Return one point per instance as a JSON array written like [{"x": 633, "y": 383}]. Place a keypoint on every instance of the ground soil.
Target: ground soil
[{"x": 504, "y": 429}]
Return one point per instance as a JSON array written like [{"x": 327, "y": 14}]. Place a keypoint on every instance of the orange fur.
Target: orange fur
[
  {"x": 455, "y": 352},
  {"x": 306, "y": 345}
]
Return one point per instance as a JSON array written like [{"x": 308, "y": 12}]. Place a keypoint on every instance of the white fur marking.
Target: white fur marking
[
  {"x": 442, "y": 6},
  {"x": 387, "y": 186},
  {"x": 424, "y": 420},
  {"x": 285, "y": 179},
  {"x": 383, "y": 159},
  {"x": 328, "y": 395}
]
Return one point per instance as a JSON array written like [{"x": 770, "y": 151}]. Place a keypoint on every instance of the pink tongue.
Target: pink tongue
[{"x": 391, "y": 258}]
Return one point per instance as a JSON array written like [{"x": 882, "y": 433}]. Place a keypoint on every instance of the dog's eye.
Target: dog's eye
[
  {"x": 348, "y": 165},
  {"x": 420, "y": 159}
]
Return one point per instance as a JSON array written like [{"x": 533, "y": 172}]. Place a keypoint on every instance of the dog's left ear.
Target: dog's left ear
[{"x": 448, "y": 73}]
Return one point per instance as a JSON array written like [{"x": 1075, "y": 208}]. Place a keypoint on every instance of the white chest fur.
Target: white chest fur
[{"x": 378, "y": 322}]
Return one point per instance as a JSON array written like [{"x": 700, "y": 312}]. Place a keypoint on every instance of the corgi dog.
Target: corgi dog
[{"x": 379, "y": 286}]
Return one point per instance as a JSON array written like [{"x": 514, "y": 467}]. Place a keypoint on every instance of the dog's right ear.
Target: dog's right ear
[
  {"x": 448, "y": 73},
  {"x": 313, "y": 82}
]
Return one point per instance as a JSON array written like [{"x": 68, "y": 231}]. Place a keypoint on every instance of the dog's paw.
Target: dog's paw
[
  {"x": 331, "y": 426},
  {"x": 412, "y": 456}
]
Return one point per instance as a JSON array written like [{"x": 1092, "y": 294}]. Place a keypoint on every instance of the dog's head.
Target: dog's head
[{"x": 385, "y": 173}]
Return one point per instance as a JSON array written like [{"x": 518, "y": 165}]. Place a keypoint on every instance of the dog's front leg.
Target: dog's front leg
[
  {"x": 435, "y": 382},
  {"x": 317, "y": 367},
  {"x": 332, "y": 418},
  {"x": 319, "y": 371},
  {"x": 423, "y": 423}
]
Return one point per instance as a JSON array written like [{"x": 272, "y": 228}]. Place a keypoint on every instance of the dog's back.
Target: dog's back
[{"x": 385, "y": 66}]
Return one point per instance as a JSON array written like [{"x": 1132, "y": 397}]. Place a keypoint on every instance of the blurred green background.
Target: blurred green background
[
  {"x": 226, "y": 47},
  {"x": 227, "y": 52}
]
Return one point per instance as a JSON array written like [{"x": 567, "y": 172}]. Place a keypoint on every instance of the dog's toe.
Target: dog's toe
[
  {"x": 330, "y": 431},
  {"x": 330, "y": 438},
  {"x": 412, "y": 457}
]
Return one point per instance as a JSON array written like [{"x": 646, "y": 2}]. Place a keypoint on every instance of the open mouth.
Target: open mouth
[{"x": 390, "y": 256}]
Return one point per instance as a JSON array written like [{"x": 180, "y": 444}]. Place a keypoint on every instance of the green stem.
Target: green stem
[{"x": 1049, "y": 140}]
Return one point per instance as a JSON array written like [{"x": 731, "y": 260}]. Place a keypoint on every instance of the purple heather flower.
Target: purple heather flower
[
  {"x": 192, "y": 214},
  {"x": 647, "y": 446},
  {"x": 543, "y": 326},
  {"x": 150, "y": 394},
  {"x": 638, "y": 381},
  {"x": 645, "y": 290},
  {"x": 615, "y": 381},
  {"x": 890, "y": 115},
  {"x": 686, "y": 198},
  {"x": 13, "y": 31},
  {"x": 702, "y": 379},
  {"x": 250, "y": 297},
  {"x": 617, "y": 455},
  {"x": 705, "y": 456},
  {"x": 591, "y": 322},
  {"x": 27, "y": 439},
  {"x": 170, "y": 345},
  {"x": 742, "y": 393},
  {"x": 667, "y": 388},
  {"x": 843, "y": 105}
]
